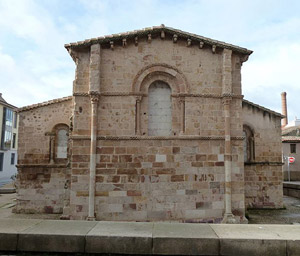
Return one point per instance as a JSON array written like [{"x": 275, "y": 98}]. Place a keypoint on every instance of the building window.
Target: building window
[
  {"x": 14, "y": 141},
  {"x": 1, "y": 161},
  {"x": 12, "y": 158},
  {"x": 15, "y": 119},
  {"x": 61, "y": 141},
  {"x": 293, "y": 148},
  {"x": 7, "y": 128},
  {"x": 159, "y": 109},
  {"x": 249, "y": 151},
  {"x": 7, "y": 139}
]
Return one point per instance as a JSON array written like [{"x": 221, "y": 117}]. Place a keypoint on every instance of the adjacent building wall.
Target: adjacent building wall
[
  {"x": 40, "y": 185},
  {"x": 263, "y": 175},
  {"x": 9, "y": 153},
  {"x": 294, "y": 168}
]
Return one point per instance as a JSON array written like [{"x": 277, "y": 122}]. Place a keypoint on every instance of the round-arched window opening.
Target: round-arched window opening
[
  {"x": 62, "y": 144},
  {"x": 159, "y": 109}
]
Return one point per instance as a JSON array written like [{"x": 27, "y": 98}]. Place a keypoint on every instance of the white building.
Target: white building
[{"x": 8, "y": 142}]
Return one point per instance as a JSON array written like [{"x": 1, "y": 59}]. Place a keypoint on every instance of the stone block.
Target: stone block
[
  {"x": 293, "y": 247},
  {"x": 184, "y": 239},
  {"x": 9, "y": 229},
  {"x": 120, "y": 238},
  {"x": 249, "y": 240},
  {"x": 55, "y": 236},
  {"x": 160, "y": 158},
  {"x": 249, "y": 247}
]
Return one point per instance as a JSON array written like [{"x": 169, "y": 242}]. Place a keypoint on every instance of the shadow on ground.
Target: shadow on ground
[{"x": 289, "y": 215}]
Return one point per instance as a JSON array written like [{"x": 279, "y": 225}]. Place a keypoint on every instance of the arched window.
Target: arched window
[
  {"x": 159, "y": 109},
  {"x": 249, "y": 152},
  {"x": 61, "y": 138},
  {"x": 62, "y": 143}
]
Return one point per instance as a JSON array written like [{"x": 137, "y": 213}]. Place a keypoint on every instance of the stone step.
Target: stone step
[{"x": 40, "y": 236}]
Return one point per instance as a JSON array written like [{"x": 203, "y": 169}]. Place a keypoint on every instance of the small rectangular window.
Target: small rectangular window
[
  {"x": 1, "y": 161},
  {"x": 12, "y": 158},
  {"x": 14, "y": 140},
  {"x": 293, "y": 148}
]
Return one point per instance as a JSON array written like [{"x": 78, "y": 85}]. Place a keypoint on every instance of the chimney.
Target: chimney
[{"x": 284, "y": 109}]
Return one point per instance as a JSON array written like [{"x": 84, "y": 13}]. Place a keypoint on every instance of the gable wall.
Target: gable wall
[
  {"x": 40, "y": 185},
  {"x": 149, "y": 179}
]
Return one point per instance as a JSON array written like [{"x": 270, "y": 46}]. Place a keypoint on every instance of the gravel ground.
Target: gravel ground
[{"x": 289, "y": 215}]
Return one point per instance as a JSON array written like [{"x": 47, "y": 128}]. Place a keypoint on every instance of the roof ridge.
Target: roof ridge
[
  {"x": 45, "y": 103},
  {"x": 263, "y": 108},
  {"x": 286, "y": 130},
  {"x": 118, "y": 36}
]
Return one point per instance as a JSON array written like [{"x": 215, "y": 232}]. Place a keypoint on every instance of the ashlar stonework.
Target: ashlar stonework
[{"x": 156, "y": 130}]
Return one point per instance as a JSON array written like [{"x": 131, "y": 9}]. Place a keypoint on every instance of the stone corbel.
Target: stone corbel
[
  {"x": 201, "y": 44},
  {"x": 162, "y": 34},
  {"x": 189, "y": 42},
  {"x": 138, "y": 114},
  {"x": 213, "y": 48},
  {"x": 136, "y": 40},
  {"x": 124, "y": 42},
  {"x": 74, "y": 55},
  {"x": 175, "y": 37},
  {"x": 111, "y": 45},
  {"x": 244, "y": 58},
  {"x": 149, "y": 38}
]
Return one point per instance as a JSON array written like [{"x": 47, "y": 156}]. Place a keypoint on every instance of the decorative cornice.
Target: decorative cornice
[
  {"x": 50, "y": 133},
  {"x": 265, "y": 163},
  {"x": 42, "y": 166},
  {"x": 249, "y": 103},
  {"x": 46, "y": 103},
  {"x": 147, "y": 32},
  {"x": 137, "y": 137},
  {"x": 74, "y": 55},
  {"x": 139, "y": 94},
  {"x": 84, "y": 94}
]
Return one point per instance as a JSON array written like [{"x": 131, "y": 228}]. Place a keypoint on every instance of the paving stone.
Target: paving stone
[
  {"x": 184, "y": 239},
  {"x": 120, "y": 237},
  {"x": 9, "y": 229},
  {"x": 55, "y": 236}
]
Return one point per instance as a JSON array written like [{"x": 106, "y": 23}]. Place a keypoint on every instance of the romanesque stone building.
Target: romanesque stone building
[{"x": 156, "y": 129}]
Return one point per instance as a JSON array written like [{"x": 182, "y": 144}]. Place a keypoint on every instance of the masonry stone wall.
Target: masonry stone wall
[
  {"x": 41, "y": 189},
  {"x": 34, "y": 143},
  {"x": 263, "y": 176},
  {"x": 40, "y": 184},
  {"x": 122, "y": 170},
  {"x": 148, "y": 180},
  {"x": 156, "y": 179}
]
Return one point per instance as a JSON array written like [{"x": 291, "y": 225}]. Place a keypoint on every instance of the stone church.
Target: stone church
[{"x": 156, "y": 130}]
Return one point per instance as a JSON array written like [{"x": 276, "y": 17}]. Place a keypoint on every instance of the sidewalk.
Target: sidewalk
[{"x": 148, "y": 238}]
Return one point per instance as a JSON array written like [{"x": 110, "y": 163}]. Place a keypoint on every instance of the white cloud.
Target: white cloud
[{"x": 40, "y": 68}]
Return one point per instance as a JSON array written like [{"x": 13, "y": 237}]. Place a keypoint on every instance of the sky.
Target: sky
[{"x": 35, "y": 66}]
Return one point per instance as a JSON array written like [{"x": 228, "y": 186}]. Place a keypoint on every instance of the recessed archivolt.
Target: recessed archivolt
[
  {"x": 162, "y": 72},
  {"x": 60, "y": 126}
]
